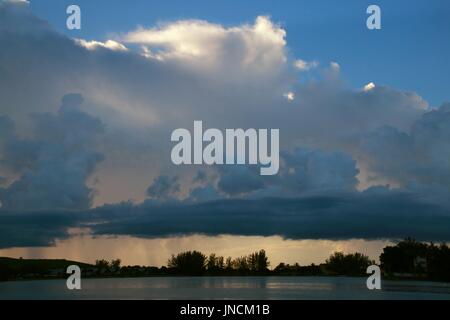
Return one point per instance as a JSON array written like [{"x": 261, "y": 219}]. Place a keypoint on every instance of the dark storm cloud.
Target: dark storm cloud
[
  {"x": 368, "y": 215},
  {"x": 34, "y": 229},
  {"x": 373, "y": 214},
  {"x": 240, "y": 179},
  {"x": 54, "y": 165},
  {"x": 204, "y": 194}
]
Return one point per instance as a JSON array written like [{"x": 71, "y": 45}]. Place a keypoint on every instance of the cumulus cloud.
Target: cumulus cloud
[
  {"x": 258, "y": 47},
  {"x": 369, "y": 86},
  {"x": 164, "y": 187},
  {"x": 330, "y": 116},
  {"x": 303, "y": 170},
  {"x": 317, "y": 170},
  {"x": 109, "y": 44},
  {"x": 303, "y": 65},
  {"x": 239, "y": 179},
  {"x": 420, "y": 157},
  {"x": 229, "y": 77},
  {"x": 55, "y": 164}
]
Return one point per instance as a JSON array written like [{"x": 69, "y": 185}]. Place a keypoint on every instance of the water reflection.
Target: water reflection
[{"x": 224, "y": 288}]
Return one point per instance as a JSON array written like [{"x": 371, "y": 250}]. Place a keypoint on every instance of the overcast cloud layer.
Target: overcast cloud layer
[{"x": 85, "y": 126}]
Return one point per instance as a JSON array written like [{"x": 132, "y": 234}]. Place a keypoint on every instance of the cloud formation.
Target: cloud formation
[
  {"x": 303, "y": 65},
  {"x": 164, "y": 187},
  {"x": 109, "y": 44},
  {"x": 257, "y": 48},
  {"x": 54, "y": 165},
  {"x": 373, "y": 214},
  {"x": 228, "y": 77},
  {"x": 420, "y": 158}
]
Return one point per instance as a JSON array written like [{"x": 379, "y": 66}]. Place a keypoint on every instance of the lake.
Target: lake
[{"x": 224, "y": 288}]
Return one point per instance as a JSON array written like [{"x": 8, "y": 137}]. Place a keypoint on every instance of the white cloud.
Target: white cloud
[
  {"x": 303, "y": 65},
  {"x": 335, "y": 66},
  {"x": 17, "y": 2},
  {"x": 192, "y": 70},
  {"x": 260, "y": 46},
  {"x": 290, "y": 96},
  {"x": 369, "y": 86},
  {"x": 109, "y": 44}
]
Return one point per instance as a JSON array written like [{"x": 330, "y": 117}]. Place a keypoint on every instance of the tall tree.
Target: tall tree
[{"x": 188, "y": 263}]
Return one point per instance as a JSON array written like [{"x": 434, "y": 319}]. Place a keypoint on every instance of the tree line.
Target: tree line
[
  {"x": 407, "y": 259},
  {"x": 195, "y": 263},
  {"x": 417, "y": 259}
]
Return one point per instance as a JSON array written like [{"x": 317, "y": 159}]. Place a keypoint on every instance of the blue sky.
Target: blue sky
[{"x": 411, "y": 52}]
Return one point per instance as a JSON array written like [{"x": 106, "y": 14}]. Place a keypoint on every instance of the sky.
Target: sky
[
  {"x": 414, "y": 40},
  {"x": 86, "y": 118}
]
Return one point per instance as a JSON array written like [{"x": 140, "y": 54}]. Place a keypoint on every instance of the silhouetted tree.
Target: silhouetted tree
[
  {"x": 215, "y": 264},
  {"x": 262, "y": 261},
  {"x": 438, "y": 262},
  {"x": 220, "y": 263},
  {"x": 229, "y": 264},
  {"x": 102, "y": 266},
  {"x": 418, "y": 259},
  {"x": 280, "y": 267},
  {"x": 241, "y": 264},
  {"x": 258, "y": 261},
  {"x": 211, "y": 264},
  {"x": 188, "y": 263},
  {"x": 402, "y": 257},
  {"x": 298, "y": 270},
  {"x": 348, "y": 264},
  {"x": 114, "y": 266}
]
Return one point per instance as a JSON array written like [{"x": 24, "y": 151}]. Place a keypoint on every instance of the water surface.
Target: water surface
[{"x": 224, "y": 288}]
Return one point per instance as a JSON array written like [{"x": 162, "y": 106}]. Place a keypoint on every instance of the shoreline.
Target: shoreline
[{"x": 394, "y": 279}]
